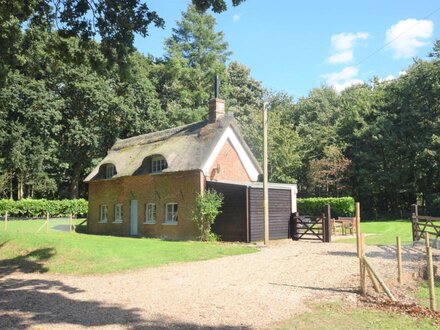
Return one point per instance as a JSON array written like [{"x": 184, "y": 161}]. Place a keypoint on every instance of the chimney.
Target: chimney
[{"x": 216, "y": 105}]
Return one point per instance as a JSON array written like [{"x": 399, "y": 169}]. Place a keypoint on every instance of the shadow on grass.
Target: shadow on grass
[
  {"x": 34, "y": 302},
  {"x": 29, "y": 263}
]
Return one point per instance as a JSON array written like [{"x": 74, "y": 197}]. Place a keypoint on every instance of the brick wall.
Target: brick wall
[
  {"x": 228, "y": 166},
  {"x": 180, "y": 188}
]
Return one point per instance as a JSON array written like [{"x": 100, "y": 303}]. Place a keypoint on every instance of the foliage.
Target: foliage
[
  {"x": 74, "y": 253},
  {"x": 206, "y": 210},
  {"x": 340, "y": 206},
  {"x": 65, "y": 99},
  {"x": 328, "y": 172},
  {"x": 39, "y": 207}
]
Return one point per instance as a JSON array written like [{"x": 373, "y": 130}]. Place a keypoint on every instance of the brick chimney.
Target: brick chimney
[
  {"x": 216, "y": 109},
  {"x": 216, "y": 105}
]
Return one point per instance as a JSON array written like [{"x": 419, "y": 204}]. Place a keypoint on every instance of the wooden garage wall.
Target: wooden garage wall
[
  {"x": 279, "y": 213},
  {"x": 231, "y": 223}
]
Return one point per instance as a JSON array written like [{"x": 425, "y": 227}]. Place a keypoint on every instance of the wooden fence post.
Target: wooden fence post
[
  {"x": 358, "y": 228},
  {"x": 414, "y": 221},
  {"x": 47, "y": 223},
  {"x": 70, "y": 222},
  {"x": 399, "y": 260},
  {"x": 431, "y": 285},
  {"x": 362, "y": 265},
  {"x": 327, "y": 224},
  {"x": 295, "y": 226},
  {"x": 6, "y": 220}
]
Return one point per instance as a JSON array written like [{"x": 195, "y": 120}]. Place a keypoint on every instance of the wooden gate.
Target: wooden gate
[
  {"x": 422, "y": 224},
  {"x": 311, "y": 227}
]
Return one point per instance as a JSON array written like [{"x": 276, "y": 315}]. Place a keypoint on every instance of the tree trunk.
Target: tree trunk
[
  {"x": 11, "y": 188},
  {"x": 20, "y": 187},
  {"x": 74, "y": 183}
]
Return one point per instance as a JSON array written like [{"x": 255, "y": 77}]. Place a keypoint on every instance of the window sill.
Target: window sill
[
  {"x": 118, "y": 221},
  {"x": 149, "y": 222},
  {"x": 174, "y": 223},
  {"x": 102, "y": 221}
]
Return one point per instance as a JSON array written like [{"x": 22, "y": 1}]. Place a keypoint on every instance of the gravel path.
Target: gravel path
[{"x": 246, "y": 291}]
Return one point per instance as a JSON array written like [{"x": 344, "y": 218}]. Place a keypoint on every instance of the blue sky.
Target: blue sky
[{"x": 296, "y": 45}]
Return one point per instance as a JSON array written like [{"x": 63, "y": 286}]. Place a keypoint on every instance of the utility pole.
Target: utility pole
[{"x": 265, "y": 187}]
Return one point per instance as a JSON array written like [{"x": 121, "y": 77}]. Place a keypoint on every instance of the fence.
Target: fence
[
  {"x": 312, "y": 227},
  {"x": 422, "y": 224},
  {"x": 42, "y": 224},
  {"x": 415, "y": 265}
]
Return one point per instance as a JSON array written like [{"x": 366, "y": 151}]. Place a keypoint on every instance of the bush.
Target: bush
[
  {"x": 340, "y": 206},
  {"x": 433, "y": 205},
  {"x": 207, "y": 208},
  {"x": 39, "y": 207}
]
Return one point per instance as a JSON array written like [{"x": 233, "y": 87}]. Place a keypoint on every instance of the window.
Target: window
[
  {"x": 171, "y": 213},
  {"x": 110, "y": 171},
  {"x": 103, "y": 212},
  {"x": 158, "y": 164},
  {"x": 150, "y": 213},
  {"x": 118, "y": 213}
]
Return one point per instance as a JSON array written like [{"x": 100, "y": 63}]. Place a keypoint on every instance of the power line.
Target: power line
[{"x": 397, "y": 37}]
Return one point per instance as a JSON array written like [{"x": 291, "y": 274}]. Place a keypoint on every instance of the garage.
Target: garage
[{"x": 242, "y": 217}]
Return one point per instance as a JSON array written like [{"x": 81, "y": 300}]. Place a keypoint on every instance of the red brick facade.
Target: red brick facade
[
  {"x": 228, "y": 166},
  {"x": 180, "y": 188},
  {"x": 160, "y": 189}
]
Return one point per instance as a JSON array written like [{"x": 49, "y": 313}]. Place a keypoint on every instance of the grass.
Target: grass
[
  {"x": 21, "y": 248},
  {"x": 384, "y": 232},
  {"x": 423, "y": 293},
  {"x": 335, "y": 316}
]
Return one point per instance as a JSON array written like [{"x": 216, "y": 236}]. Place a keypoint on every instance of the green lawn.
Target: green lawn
[
  {"x": 384, "y": 232},
  {"x": 423, "y": 294},
  {"x": 337, "y": 317},
  {"x": 21, "y": 248}
]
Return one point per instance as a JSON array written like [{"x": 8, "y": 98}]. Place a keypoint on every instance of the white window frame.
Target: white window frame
[
  {"x": 119, "y": 213},
  {"x": 150, "y": 213},
  {"x": 103, "y": 213},
  {"x": 158, "y": 164},
  {"x": 110, "y": 171},
  {"x": 171, "y": 215}
]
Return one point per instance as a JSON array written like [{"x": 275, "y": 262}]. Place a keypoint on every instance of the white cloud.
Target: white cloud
[
  {"x": 236, "y": 18},
  {"x": 345, "y": 41},
  {"x": 343, "y": 44},
  {"x": 342, "y": 57},
  {"x": 344, "y": 78},
  {"x": 408, "y": 35},
  {"x": 340, "y": 87}
]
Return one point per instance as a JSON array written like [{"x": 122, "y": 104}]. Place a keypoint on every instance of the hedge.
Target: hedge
[
  {"x": 340, "y": 206},
  {"x": 39, "y": 207}
]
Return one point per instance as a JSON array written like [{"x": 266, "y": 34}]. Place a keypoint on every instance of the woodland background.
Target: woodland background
[{"x": 65, "y": 98}]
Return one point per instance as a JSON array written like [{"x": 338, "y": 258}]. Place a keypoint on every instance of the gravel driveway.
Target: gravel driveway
[{"x": 246, "y": 291}]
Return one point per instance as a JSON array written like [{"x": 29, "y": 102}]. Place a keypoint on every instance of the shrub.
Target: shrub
[
  {"x": 207, "y": 208},
  {"x": 39, "y": 207},
  {"x": 340, "y": 206}
]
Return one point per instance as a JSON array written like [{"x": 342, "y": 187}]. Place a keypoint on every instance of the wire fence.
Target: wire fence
[
  {"x": 408, "y": 279},
  {"x": 42, "y": 225}
]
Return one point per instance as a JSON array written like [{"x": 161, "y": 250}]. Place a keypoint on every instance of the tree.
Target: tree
[
  {"x": 328, "y": 172},
  {"x": 115, "y": 22},
  {"x": 194, "y": 55},
  {"x": 29, "y": 144},
  {"x": 206, "y": 210}
]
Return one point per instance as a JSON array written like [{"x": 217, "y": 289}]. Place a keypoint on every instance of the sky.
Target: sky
[{"x": 294, "y": 46}]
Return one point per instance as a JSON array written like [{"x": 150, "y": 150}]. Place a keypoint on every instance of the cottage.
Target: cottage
[{"x": 146, "y": 185}]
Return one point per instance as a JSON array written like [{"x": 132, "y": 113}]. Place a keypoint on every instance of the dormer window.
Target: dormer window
[
  {"x": 158, "y": 164},
  {"x": 110, "y": 171}
]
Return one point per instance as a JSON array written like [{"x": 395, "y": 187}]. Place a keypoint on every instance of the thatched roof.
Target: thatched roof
[{"x": 184, "y": 148}]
